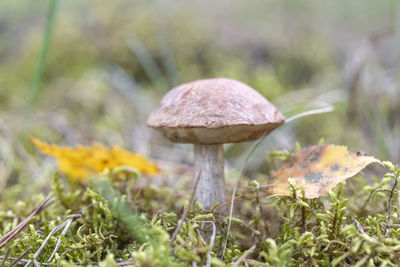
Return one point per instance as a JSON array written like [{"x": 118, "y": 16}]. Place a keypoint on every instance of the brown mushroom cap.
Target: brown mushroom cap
[{"x": 214, "y": 111}]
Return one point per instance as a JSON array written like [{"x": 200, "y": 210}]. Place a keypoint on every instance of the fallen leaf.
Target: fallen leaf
[
  {"x": 321, "y": 168},
  {"x": 82, "y": 162}
]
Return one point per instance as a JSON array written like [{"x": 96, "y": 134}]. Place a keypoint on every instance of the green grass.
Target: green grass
[{"x": 44, "y": 51}]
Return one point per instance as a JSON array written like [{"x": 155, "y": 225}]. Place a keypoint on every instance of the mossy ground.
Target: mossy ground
[{"x": 126, "y": 222}]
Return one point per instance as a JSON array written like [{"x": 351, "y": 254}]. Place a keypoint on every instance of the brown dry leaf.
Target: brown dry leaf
[{"x": 321, "y": 168}]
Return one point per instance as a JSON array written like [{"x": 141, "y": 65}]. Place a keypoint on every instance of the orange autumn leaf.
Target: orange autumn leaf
[
  {"x": 82, "y": 162},
  {"x": 321, "y": 168}
]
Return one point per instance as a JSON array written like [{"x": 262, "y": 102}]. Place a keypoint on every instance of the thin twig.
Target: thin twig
[
  {"x": 185, "y": 212},
  {"x": 126, "y": 263},
  {"x": 212, "y": 242},
  {"x": 55, "y": 230},
  {"x": 235, "y": 188},
  {"x": 5, "y": 257},
  {"x": 244, "y": 256},
  {"x": 78, "y": 212},
  {"x": 63, "y": 234},
  {"x": 4, "y": 240},
  {"x": 17, "y": 260},
  {"x": 122, "y": 263},
  {"x": 64, "y": 225},
  {"x": 21, "y": 260}
]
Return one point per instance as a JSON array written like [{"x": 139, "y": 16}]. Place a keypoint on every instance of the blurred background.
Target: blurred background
[{"x": 79, "y": 71}]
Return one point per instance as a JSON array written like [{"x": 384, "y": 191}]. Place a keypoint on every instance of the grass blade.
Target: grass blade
[{"x": 37, "y": 76}]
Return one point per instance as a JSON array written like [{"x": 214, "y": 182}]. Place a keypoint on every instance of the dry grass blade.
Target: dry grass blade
[
  {"x": 5, "y": 257},
  {"x": 21, "y": 260},
  {"x": 178, "y": 228},
  {"x": 68, "y": 224},
  {"x": 17, "y": 260},
  {"x": 212, "y": 243},
  {"x": 328, "y": 108},
  {"x": 244, "y": 256},
  {"x": 4, "y": 240},
  {"x": 64, "y": 225},
  {"x": 235, "y": 189},
  {"x": 126, "y": 263}
]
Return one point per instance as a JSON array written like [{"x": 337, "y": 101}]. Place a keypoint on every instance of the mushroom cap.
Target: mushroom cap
[{"x": 214, "y": 111}]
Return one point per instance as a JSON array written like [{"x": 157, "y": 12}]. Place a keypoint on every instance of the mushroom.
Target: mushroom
[{"x": 209, "y": 113}]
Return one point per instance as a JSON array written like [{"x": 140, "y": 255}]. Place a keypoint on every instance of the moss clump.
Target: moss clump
[{"x": 123, "y": 222}]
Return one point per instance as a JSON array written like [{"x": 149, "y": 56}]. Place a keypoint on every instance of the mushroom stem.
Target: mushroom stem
[{"x": 211, "y": 185}]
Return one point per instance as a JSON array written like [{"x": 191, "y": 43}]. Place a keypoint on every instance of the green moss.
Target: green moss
[{"x": 336, "y": 230}]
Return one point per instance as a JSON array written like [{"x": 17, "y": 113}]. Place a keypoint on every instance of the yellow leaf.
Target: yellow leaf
[
  {"x": 320, "y": 168},
  {"x": 84, "y": 161}
]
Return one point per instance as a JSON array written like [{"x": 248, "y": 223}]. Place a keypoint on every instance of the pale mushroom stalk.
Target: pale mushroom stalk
[
  {"x": 209, "y": 113},
  {"x": 211, "y": 187}
]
